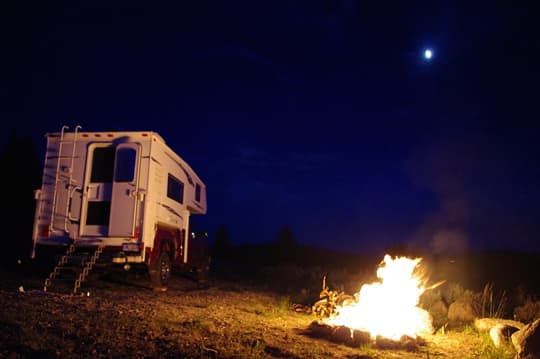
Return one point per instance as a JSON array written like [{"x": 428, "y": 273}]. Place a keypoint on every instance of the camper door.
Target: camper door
[
  {"x": 109, "y": 197},
  {"x": 124, "y": 190}
]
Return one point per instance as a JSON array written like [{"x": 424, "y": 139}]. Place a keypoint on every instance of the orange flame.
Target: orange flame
[{"x": 389, "y": 308}]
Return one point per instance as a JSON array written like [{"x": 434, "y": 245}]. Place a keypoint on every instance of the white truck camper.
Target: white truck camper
[{"x": 120, "y": 199}]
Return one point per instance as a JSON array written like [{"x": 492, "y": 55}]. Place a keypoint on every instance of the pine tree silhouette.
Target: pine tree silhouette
[
  {"x": 285, "y": 238},
  {"x": 21, "y": 176},
  {"x": 223, "y": 244}
]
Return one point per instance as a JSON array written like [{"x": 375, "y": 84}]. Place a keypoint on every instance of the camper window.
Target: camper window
[
  {"x": 198, "y": 192},
  {"x": 102, "y": 165},
  {"x": 175, "y": 189},
  {"x": 125, "y": 165}
]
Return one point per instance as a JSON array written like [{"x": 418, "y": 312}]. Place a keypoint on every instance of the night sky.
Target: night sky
[{"x": 320, "y": 115}]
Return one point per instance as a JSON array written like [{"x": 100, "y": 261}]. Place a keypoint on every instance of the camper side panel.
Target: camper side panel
[{"x": 166, "y": 208}]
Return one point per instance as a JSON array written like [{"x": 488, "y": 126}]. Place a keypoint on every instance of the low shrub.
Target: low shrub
[{"x": 528, "y": 312}]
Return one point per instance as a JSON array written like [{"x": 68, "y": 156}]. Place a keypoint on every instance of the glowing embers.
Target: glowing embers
[{"x": 388, "y": 308}]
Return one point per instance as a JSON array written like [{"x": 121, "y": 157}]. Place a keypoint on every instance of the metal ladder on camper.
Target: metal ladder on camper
[
  {"x": 70, "y": 181},
  {"x": 73, "y": 267}
]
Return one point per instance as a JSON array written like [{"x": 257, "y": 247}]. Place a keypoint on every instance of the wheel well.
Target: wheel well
[
  {"x": 167, "y": 246},
  {"x": 164, "y": 242}
]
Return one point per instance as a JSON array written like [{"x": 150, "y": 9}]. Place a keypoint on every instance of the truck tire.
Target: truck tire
[
  {"x": 160, "y": 273},
  {"x": 201, "y": 274}
]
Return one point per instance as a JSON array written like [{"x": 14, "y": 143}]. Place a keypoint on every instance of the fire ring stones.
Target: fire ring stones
[
  {"x": 354, "y": 338},
  {"x": 339, "y": 334}
]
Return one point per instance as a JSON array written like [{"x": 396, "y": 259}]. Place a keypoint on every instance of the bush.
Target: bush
[{"x": 528, "y": 312}]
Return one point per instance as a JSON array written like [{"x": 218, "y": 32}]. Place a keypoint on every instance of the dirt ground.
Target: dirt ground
[{"x": 124, "y": 318}]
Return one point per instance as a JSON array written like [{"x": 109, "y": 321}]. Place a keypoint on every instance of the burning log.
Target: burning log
[{"x": 339, "y": 334}]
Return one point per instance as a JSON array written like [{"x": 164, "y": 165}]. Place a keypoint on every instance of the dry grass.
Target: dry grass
[{"x": 493, "y": 304}]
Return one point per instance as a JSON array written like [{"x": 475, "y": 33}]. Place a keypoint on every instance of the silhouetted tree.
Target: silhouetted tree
[
  {"x": 21, "y": 175},
  {"x": 222, "y": 245},
  {"x": 285, "y": 238},
  {"x": 285, "y": 247}
]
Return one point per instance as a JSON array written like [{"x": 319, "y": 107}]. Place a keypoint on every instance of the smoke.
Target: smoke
[
  {"x": 448, "y": 170},
  {"x": 486, "y": 188},
  {"x": 448, "y": 241}
]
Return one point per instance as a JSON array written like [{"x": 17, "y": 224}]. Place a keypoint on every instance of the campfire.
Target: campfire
[{"x": 386, "y": 310}]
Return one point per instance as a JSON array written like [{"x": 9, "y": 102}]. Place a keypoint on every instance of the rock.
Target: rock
[
  {"x": 463, "y": 310},
  {"x": 339, "y": 334},
  {"x": 351, "y": 337},
  {"x": 404, "y": 343},
  {"x": 501, "y": 333},
  {"x": 439, "y": 307},
  {"x": 319, "y": 329},
  {"x": 439, "y": 314},
  {"x": 500, "y": 330},
  {"x": 386, "y": 343},
  {"x": 527, "y": 341},
  {"x": 486, "y": 324},
  {"x": 361, "y": 337},
  {"x": 342, "y": 334}
]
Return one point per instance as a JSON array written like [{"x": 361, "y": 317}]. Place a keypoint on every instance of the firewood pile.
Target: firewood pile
[{"x": 329, "y": 301}]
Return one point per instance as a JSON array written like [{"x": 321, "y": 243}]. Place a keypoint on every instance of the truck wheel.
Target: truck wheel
[
  {"x": 202, "y": 273},
  {"x": 160, "y": 273}
]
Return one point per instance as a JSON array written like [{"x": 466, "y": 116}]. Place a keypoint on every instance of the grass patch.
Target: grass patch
[
  {"x": 268, "y": 310},
  {"x": 493, "y": 305},
  {"x": 489, "y": 351}
]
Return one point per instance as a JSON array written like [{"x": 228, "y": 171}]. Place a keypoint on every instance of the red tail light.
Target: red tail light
[
  {"x": 137, "y": 232},
  {"x": 44, "y": 230}
]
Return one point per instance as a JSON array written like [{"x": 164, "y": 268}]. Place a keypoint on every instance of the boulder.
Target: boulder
[
  {"x": 527, "y": 341},
  {"x": 501, "y": 333},
  {"x": 486, "y": 324},
  {"x": 463, "y": 310},
  {"x": 439, "y": 314},
  {"x": 439, "y": 307}
]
